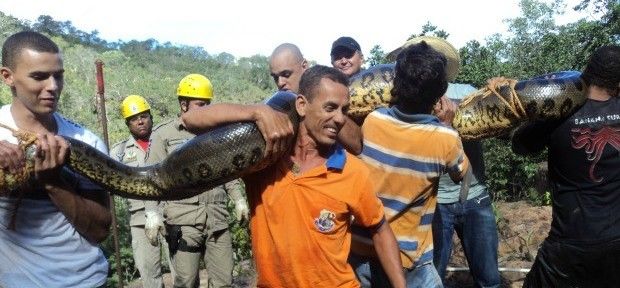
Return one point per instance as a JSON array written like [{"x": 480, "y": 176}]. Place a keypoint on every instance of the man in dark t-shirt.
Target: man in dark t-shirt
[{"x": 583, "y": 246}]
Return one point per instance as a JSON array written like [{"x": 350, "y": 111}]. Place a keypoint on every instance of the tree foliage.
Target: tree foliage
[
  {"x": 535, "y": 45},
  {"x": 146, "y": 68},
  {"x": 430, "y": 30},
  {"x": 377, "y": 56}
]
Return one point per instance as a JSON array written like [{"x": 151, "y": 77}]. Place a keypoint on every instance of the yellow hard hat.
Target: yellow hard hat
[
  {"x": 195, "y": 86},
  {"x": 442, "y": 46},
  {"x": 134, "y": 104}
]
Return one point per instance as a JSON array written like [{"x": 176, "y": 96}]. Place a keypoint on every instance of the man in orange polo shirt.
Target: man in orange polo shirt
[{"x": 301, "y": 206}]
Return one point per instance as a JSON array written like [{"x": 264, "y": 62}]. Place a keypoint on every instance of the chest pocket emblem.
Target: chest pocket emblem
[
  {"x": 130, "y": 157},
  {"x": 325, "y": 222}
]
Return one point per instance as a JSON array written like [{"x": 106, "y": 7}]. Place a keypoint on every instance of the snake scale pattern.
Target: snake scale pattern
[
  {"x": 197, "y": 166},
  {"x": 230, "y": 151},
  {"x": 502, "y": 105}
]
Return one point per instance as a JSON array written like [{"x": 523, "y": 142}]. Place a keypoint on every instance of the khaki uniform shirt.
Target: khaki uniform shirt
[
  {"x": 207, "y": 209},
  {"x": 130, "y": 153}
]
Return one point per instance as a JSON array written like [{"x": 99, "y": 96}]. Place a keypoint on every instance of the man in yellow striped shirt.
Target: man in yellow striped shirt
[{"x": 407, "y": 149}]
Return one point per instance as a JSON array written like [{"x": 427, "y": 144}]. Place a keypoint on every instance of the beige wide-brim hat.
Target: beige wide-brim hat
[{"x": 442, "y": 46}]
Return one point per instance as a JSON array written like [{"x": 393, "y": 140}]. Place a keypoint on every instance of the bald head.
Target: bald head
[
  {"x": 287, "y": 48},
  {"x": 286, "y": 65}
]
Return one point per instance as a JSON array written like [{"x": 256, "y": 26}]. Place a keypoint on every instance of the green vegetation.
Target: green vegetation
[
  {"x": 152, "y": 70},
  {"x": 535, "y": 46}
]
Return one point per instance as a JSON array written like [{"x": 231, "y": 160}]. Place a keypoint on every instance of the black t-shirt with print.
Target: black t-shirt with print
[{"x": 584, "y": 171}]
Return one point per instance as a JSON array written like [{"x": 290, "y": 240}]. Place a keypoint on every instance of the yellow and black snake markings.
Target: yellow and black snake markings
[
  {"x": 370, "y": 89},
  {"x": 225, "y": 153},
  {"x": 501, "y": 106}
]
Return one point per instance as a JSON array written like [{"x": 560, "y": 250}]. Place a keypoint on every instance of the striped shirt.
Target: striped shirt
[{"x": 406, "y": 155}]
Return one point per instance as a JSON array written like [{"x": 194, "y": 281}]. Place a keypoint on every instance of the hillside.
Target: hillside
[{"x": 145, "y": 68}]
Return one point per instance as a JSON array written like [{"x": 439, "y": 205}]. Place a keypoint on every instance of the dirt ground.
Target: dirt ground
[{"x": 522, "y": 228}]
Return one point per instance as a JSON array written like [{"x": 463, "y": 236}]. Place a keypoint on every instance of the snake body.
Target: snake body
[
  {"x": 497, "y": 108},
  {"x": 208, "y": 160},
  {"x": 370, "y": 89},
  {"x": 231, "y": 151},
  {"x": 504, "y": 103}
]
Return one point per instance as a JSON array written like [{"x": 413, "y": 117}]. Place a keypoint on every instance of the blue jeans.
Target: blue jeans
[
  {"x": 474, "y": 223},
  {"x": 370, "y": 274}
]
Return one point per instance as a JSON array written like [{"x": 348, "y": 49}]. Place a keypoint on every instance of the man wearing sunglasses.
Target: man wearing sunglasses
[
  {"x": 347, "y": 56},
  {"x": 286, "y": 65}
]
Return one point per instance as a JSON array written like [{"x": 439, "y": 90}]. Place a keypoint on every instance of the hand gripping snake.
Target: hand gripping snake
[
  {"x": 233, "y": 150},
  {"x": 496, "y": 109},
  {"x": 206, "y": 161}
]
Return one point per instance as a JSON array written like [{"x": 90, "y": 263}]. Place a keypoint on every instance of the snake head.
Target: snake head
[{"x": 31, "y": 152}]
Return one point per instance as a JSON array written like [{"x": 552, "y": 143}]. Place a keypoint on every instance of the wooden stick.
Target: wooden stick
[{"x": 103, "y": 121}]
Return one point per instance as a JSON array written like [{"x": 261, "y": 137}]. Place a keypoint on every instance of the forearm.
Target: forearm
[
  {"x": 91, "y": 217},
  {"x": 458, "y": 173},
  {"x": 533, "y": 137},
  {"x": 388, "y": 253},
  {"x": 203, "y": 119},
  {"x": 351, "y": 137}
]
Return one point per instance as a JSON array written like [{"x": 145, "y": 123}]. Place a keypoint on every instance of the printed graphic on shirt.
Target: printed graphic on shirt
[
  {"x": 597, "y": 119},
  {"x": 325, "y": 221},
  {"x": 594, "y": 143}
]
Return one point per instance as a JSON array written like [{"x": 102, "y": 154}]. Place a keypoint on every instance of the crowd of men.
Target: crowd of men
[{"x": 343, "y": 205}]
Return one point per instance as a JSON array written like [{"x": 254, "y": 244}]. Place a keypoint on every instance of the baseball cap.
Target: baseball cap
[{"x": 345, "y": 42}]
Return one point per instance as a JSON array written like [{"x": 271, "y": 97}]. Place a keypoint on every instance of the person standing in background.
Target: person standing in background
[
  {"x": 287, "y": 65},
  {"x": 132, "y": 152},
  {"x": 346, "y": 55},
  {"x": 198, "y": 225},
  {"x": 466, "y": 208}
]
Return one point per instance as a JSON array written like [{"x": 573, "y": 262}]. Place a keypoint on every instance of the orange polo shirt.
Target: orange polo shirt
[{"x": 300, "y": 224}]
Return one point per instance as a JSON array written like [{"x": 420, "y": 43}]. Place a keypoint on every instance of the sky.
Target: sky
[{"x": 246, "y": 28}]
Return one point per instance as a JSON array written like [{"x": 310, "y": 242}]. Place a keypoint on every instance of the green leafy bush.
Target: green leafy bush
[{"x": 511, "y": 177}]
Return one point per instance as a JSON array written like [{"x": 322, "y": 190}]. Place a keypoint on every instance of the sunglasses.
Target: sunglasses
[{"x": 342, "y": 53}]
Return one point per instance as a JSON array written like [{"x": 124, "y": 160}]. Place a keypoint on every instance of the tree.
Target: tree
[
  {"x": 377, "y": 56},
  {"x": 430, "y": 29},
  {"x": 225, "y": 59},
  {"x": 256, "y": 70},
  {"x": 610, "y": 19},
  {"x": 479, "y": 63},
  {"x": 535, "y": 46}
]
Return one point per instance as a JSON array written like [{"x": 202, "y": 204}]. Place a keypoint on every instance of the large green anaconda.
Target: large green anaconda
[
  {"x": 505, "y": 104},
  {"x": 206, "y": 161},
  {"x": 496, "y": 109},
  {"x": 228, "y": 152}
]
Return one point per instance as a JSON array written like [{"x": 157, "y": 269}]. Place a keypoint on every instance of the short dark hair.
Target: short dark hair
[
  {"x": 311, "y": 79},
  {"x": 603, "y": 69},
  {"x": 19, "y": 41},
  {"x": 420, "y": 78}
]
